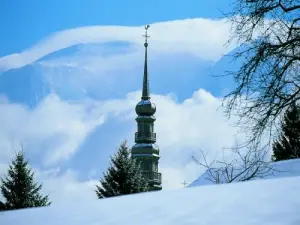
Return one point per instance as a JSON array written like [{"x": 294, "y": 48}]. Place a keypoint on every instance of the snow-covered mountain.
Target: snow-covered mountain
[
  {"x": 102, "y": 71},
  {"x": 25, "y": 85}
]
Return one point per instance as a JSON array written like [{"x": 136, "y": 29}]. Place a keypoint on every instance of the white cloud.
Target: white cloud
[
  {"x": 182, "y": 129},
  {"x": 55, "y": 127},
  {"x": 185, "y": 128},
  {"x": 193, "y": 123},
  {"x": 66, "y": 186},
  {"x": 201, "y": 37}
]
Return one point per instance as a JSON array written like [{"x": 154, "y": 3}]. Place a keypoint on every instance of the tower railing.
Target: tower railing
[
  {"x": 145, "y": 136},
  {"x": 152, "y": 176}
]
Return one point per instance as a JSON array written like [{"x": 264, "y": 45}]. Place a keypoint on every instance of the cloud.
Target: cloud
[
  {"x": 183, "y": 128},
  {"x": 64, "y": 187},
  {"x": 50, "y": 134},
  {"x": 54, "y": 129},
  {"x": 57, "y": 128},
  {"x": 201, "y": 37}
]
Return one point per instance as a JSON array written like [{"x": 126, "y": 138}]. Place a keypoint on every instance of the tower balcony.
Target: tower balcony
[
  {"x": 152, "y": 176},
  {"x": 145, "y": 137}
]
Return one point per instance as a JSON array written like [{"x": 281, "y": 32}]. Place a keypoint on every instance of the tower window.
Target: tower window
[
  {"x": 147, "y": 166},
  {"x": 155, "y": 165},
  {"x": 151, "y": 128}
]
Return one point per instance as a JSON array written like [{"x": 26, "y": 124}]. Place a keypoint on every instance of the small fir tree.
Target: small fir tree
[
  {"x": 288, "y": 144},
  {"x": 18, "y": 187},
  {"x": 122, "y": 177}
]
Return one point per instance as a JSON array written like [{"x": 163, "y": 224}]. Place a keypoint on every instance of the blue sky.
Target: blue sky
[
  {"x": 23, "y": 23},
  {"x": 71, "y": 75}
]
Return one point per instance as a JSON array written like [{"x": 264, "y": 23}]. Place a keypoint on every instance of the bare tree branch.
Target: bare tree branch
[
  {"x": 244, "y": 166},
  {"x": 269, "y": 79}
]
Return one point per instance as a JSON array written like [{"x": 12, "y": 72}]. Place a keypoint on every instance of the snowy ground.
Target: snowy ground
[
  {"x": 262, "y": 202},
  {"x": 287, "y": 168}
]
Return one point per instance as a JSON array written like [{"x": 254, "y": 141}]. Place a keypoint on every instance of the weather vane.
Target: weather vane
[{"x": 146, "y": 33}]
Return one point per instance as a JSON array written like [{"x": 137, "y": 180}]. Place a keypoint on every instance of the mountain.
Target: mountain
[
  {"x": 25, "y": 85},
  {"x": 99, "y": 71}
]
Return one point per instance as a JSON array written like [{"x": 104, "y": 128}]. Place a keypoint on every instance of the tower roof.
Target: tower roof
[{"x": 146, "y": 91}]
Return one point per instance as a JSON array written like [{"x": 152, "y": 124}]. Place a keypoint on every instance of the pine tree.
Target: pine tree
[
  {"x": 122, "y": 177},
  {"x": 18, "y": 187},
  {"x": 288, "y": 144}
]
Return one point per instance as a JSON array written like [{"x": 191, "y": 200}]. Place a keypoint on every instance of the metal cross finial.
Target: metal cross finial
[
  {"x": 146, "y": 32},
  {"x": 184, "y": 184}
]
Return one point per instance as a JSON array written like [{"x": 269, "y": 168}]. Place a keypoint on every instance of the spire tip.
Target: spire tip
[
  {"x": 146, "y": 35},
  {"x": 146, "y": 92}
]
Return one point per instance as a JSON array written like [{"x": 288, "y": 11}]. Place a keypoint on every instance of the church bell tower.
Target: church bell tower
[{"x": 145, "y": 150}]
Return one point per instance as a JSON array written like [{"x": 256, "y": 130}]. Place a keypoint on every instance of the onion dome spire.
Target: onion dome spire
[
  {"x": 145, "y": 151},
  {"x": 145, "y": 107}
]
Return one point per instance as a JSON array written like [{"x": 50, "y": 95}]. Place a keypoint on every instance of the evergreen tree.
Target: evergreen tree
[
  {"x": 122, "y": 177},
  {"x": 18, "y": 187},
  {"x": 288, "y": 144},
  {"x": 2, "y": 206}
]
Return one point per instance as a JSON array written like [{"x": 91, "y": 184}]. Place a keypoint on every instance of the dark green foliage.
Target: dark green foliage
[
  {"x": 288, "y": 144},
  {"x": 2, "y": 206},
  {"x": 18, "y": 187},
  {"x": 122, "y": 177}
]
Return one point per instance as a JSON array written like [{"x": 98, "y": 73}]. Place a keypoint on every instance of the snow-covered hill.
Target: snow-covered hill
[
  {"x": 287, "y": 168},
  {"x": 264, "y": 202}
]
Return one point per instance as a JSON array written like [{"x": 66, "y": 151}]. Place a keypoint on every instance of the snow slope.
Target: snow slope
[
  {"x": 287, "y": 168},
  {"x": 263, "y": 202}
]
